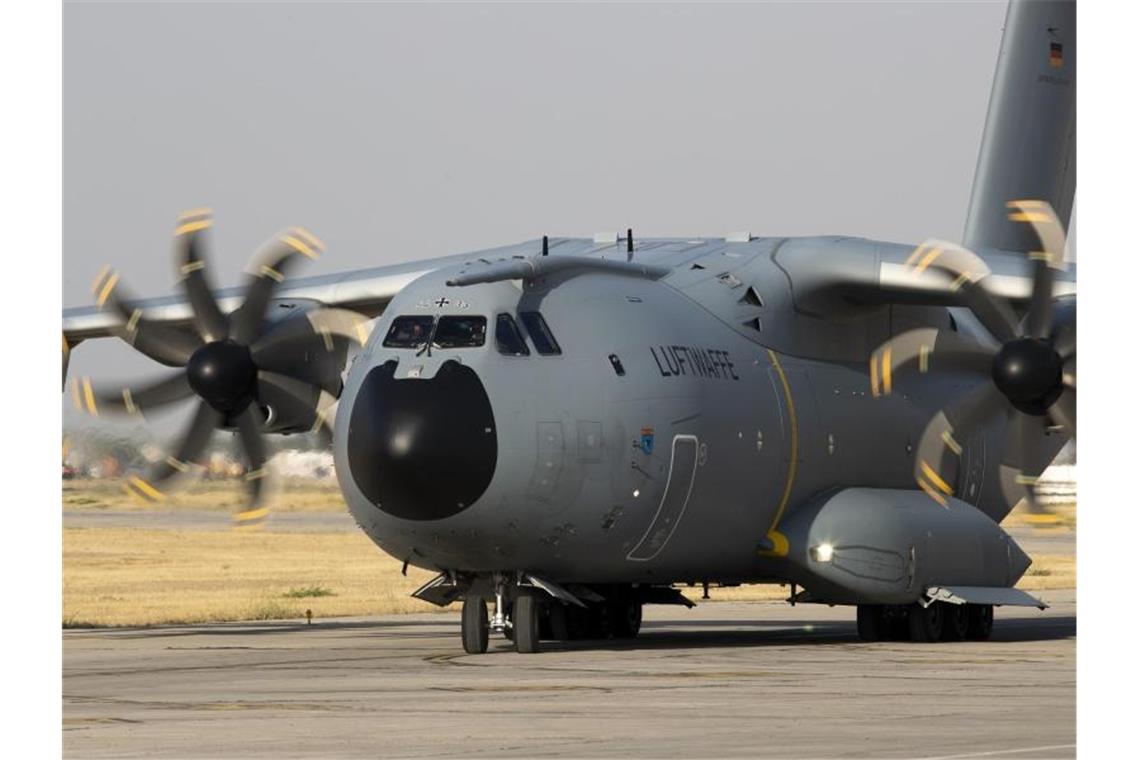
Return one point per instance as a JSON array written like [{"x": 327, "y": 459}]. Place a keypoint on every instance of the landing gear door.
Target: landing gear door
[{"x": 678, "y": 488}]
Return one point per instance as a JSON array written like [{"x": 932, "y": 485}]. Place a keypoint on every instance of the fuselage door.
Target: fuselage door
[{"x": 678, "y": 488}]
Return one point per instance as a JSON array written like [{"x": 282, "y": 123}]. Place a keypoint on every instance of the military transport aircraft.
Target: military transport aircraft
[{"x": 567, "y": 429}]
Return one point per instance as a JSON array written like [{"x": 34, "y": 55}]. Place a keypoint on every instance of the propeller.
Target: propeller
[
  {"x": 1032, "y": 368},
  {"x": 249, "y": 375}
]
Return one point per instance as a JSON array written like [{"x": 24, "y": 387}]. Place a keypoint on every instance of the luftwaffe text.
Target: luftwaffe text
[{"x": 698, "y": 362}]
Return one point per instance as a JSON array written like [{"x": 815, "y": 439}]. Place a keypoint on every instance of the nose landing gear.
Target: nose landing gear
[
  {"x": 518, "y": 621},
  {"x": 526, "y": 615}
]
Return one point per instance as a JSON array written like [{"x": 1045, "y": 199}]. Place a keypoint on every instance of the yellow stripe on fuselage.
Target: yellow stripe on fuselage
[{"x": 779, "y": 541}]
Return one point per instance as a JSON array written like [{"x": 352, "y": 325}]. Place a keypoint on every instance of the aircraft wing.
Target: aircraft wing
[
  {"x": 832, "y": 277},
  {"x": 366, "y": 291}
]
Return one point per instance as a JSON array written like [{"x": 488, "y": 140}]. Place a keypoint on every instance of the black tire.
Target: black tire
[
  {"x": 870, "y": 622},
  {"x": 925, "y": 622},
  {"x": 896, "y": 623},
  {"x": 955, "y": 622},
  {"x": 981, "y": 621},
  {"x": 525, "y": 624},
  {"x": 474, "y": 626},
  {"x": 625, "y": 619}
]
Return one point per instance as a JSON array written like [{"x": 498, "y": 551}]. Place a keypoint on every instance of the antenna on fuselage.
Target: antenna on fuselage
[
  {"x": 629, "y": 244},
  {"x": 545, "y": 245}
]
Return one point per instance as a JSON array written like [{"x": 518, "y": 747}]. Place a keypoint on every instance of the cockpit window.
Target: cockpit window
[
  {"x": 408, "y": 332},
  {"x": 508, "y": 339},
  {"x": 460, "y": 332},
  {"x": 540, "y": 334}
]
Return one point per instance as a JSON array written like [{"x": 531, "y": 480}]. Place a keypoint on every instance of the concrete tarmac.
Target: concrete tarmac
[
  {"x": 722, "y": 680},
  {"x": 206, "y": 520}
]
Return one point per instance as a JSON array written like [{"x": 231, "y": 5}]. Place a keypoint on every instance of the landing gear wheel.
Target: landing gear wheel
[
  {"x": 871, "y": 622},
  {"x": 926, "y": 622},
  {"x": 981, "y": 621},
  {"x": 474, "y": 626},
  {"x": 525, "y": 624},
  {"x": 896, "y": 623},
  {"x": 625, "y": 619},
  {"x": 955, "y": 622}
]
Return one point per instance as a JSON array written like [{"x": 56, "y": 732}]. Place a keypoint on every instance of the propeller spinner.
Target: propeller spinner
[
  {"x": 1032, "y": 371},
  {"x": 236, "y": 364}
]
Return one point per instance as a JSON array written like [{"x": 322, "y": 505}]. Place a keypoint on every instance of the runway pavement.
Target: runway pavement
[{"x": 723, "y": 680}]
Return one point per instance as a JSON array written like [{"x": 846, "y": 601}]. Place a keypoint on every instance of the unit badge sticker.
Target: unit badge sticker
[{"x": 646, "y": 445}]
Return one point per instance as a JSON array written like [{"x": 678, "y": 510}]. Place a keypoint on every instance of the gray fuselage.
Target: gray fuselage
[{"x": 684, "y": 419}]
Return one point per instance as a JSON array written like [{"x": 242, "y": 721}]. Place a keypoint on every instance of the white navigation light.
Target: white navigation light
[{"x": 823, "y": 552}]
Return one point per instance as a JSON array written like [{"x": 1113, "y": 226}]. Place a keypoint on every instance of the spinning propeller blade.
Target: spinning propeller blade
[
  {"x": 237, "y": 365},
  {"x": 1031, "y": 375}
]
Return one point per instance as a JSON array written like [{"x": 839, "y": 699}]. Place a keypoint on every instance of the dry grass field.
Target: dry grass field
[
  {"x": 124, "y": 576},
  {"x": 143, "y": 576}
]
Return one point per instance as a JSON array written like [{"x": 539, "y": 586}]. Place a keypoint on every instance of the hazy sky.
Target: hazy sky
[{"x": 400, "y": 131}]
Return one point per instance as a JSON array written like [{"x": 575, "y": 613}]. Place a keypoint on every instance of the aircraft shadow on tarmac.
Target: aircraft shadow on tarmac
[
  {"x": 654, "y": 634},
  {"x": 735, "y": 633}
]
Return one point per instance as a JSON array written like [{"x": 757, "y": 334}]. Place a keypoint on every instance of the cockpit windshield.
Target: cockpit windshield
[
  {"x": 540, "y": 333},
  {"x": 460, "y": 332},
  {"x": 508, "y": 339},
  {"x": 409, "y": 332}
]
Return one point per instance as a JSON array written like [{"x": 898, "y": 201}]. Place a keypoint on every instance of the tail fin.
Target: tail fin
[{"x": 1029, "y": 145}]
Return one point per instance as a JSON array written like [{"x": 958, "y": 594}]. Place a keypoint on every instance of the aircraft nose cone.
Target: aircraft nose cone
[{"x": 422, "y": 449}]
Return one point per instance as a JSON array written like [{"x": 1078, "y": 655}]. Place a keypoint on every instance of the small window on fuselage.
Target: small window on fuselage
[
  {"x": 409, "y": 332},
  {"x": 540, "y": 334},
  {"x": 460, "y": 332},
  {"x": 508, "y": 338}
]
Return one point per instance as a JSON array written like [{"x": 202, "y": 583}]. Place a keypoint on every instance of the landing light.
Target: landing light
[{"x": 823, "y": 552}]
